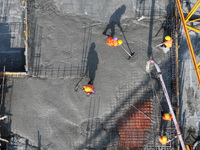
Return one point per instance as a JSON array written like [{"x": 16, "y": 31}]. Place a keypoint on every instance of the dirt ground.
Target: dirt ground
[{"x": 66, "y": 42}]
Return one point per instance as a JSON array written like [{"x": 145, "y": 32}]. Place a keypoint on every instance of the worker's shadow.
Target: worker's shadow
[
  {"x": 115, "y": 20},
  {"x": 92, "y": 63}
]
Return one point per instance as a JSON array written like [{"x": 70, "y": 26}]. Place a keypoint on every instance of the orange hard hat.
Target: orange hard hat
[{"x": 87, "y": 89}]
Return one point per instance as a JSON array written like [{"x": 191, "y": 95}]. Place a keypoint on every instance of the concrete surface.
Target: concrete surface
[{"x": 67, "y": 42}]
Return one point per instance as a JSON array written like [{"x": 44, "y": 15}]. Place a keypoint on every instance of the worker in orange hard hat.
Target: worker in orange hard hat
[
  {"x": 163, "y": 140},
  {"x": 89, "y": 89},
  {"x": 167, "y": 44},
  {"x": 167, "y": 116},
  {"x": 113, "y": 41}
]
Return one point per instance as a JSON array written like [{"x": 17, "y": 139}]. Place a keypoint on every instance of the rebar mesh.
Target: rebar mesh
[{"x": 134, "y": 126}]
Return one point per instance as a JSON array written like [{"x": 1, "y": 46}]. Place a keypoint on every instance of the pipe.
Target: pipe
[{"x": 169, "y": 104}]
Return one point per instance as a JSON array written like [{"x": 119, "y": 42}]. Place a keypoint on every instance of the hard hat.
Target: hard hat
[
  {"x": 164, "y": 138},
  {"x": 87, "y": 89},
  {"x": 120, "y": 42},
  {"x": 167, "y": 116},
  {"x": 167, "y": 38}
]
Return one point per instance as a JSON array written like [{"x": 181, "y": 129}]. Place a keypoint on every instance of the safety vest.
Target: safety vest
[
  {"x": 112, "y": 42},
  {"x": 89, "y": 89},
  {"x": 167, "y": 116},
  {"x": 168, "y": 44},
  {"x": 163, "y": 140}
]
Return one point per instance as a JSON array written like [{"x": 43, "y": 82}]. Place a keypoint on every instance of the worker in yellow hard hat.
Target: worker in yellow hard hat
[
  {"x": 167, "y": 116},
  {"x": 120, "y": 42},
  {"x": 89, "y": 89},
  {"x": 167, "y": 44},
  {"x": 113, "y": 41},
  {"x": 163, "y": 140}
]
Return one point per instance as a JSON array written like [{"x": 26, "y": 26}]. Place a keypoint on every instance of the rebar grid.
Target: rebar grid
[{"x": 130, "y": 100}]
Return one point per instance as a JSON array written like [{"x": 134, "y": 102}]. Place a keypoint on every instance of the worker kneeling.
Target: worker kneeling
[
  {"x": 89, "y": 89},
  {"x": 167, "y": 44},
  {"x": 113, "y": 41},
  {"x": 167, "y": 116},
  {"x": 163, "y": 140}
]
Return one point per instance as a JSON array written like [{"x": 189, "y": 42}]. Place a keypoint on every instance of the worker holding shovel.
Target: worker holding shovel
[
  {"x": 117, "y": 42},
  {"x": 89, "y": 88}
]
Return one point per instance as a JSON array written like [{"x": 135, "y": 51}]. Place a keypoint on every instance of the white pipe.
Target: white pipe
[{"x": 169, "y": 104}]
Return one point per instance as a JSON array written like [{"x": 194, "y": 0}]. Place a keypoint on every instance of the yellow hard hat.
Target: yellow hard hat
[
  {"x": 120, "y": 42},
  {"x": 167, "y": 116},
  {"x": 87, "y": 89},
  {"x": 167, "y": 38},
  {"x": 164, "y": 138}
]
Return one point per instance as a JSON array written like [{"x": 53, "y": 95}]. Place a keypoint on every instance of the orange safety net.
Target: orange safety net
[{"x": 134, "y": 126}]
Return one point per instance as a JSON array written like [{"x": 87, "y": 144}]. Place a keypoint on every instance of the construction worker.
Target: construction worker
[
  {"x": 167, "y": 44},
  {"x": 113, "y": 41},
  {"x": 89, "y": 89},
  {"x": 163, "y": 140},
  {"x": 167, "y": 116}
]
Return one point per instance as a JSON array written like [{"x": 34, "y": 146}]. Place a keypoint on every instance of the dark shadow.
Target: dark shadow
[
  {"x": 93, "y": 124},
  {"x": 115, "y": 20},
  {"x": 163, "y": 125},
  {"x": 26, "y": 144},
  {"x": 92, "y": 62},
  {"x": 6, "y": 132},
  {"x": 39, "y": 141},
  {"x": 149, "y": 53}
]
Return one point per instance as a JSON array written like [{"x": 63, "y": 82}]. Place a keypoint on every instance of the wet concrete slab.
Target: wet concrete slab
[{"x": 67, "y": 43}]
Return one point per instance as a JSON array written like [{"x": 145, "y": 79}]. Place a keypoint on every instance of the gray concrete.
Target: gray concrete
[{"x": 64, "y": 36}]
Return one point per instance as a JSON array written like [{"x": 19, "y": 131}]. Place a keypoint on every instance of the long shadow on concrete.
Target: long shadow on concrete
[
  {"x": 92, "y": 62},
  {"x": 6, "y": 132},
  {"x": 149, "y": 53},
  {"x": 115, "y": 21}
]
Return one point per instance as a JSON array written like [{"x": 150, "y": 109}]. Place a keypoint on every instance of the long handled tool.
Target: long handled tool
[
  {"x": 130, "y": 55},
  {"x": 144, "y": 114},
  {"x": 77, "y": 87},
  {"x": 159, "y": 45}
]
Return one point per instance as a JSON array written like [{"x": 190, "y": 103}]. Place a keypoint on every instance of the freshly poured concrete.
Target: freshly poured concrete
[{"x": 66, "y": 36}]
